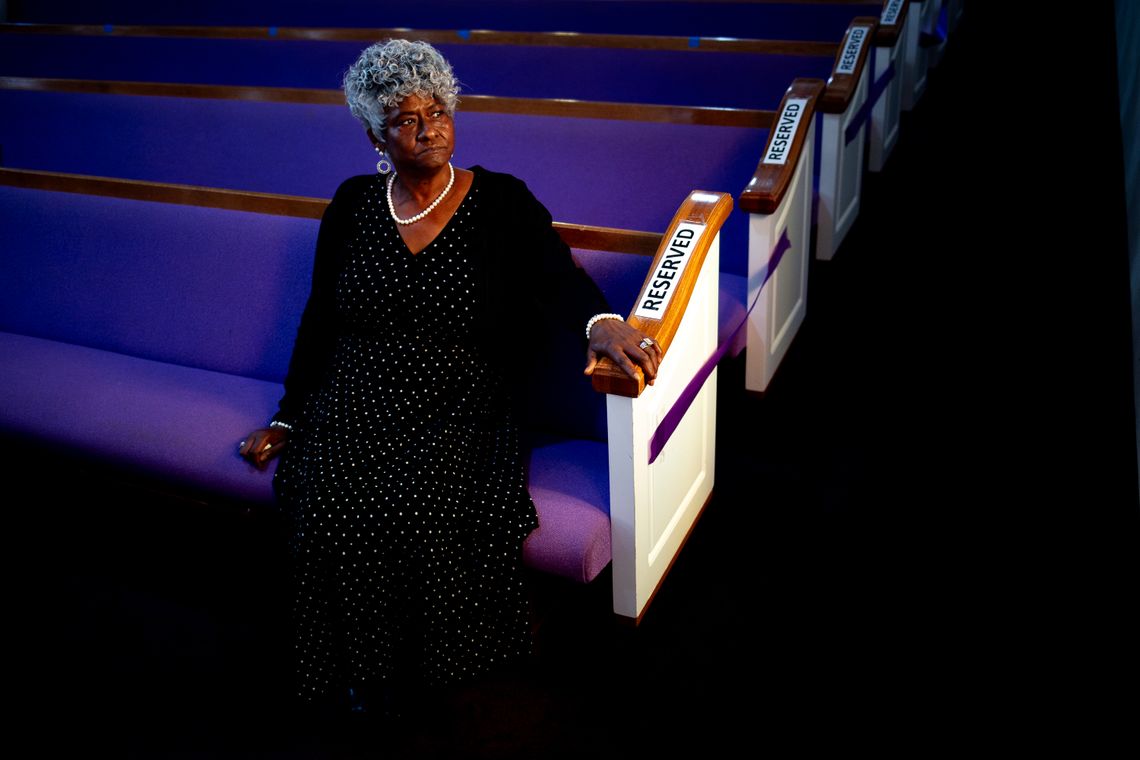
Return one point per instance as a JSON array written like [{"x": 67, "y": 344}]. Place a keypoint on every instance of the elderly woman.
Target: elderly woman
[{"x": 403, "y": 469}]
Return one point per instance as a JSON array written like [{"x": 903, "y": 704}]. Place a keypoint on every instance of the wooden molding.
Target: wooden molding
[
  {"x": 608, "y": 239},
  {"x": 766, "y": 189},
  {"x": 709, "y": 209},
  {"x": 580, "y": 109},
  {"x": 177, "y": 90},
  {"x": 841, "y": 87},
  {"x": 164, "y": 192},
  {"x": 888, "y": 34},
  {"x": 439, "y": 37},
  {"x": 576, "y": 235},
  {"x": 595, "y": 109}
]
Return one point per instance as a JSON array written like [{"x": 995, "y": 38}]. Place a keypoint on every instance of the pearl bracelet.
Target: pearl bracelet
[
  {"x": 282, "y": 425},
  {"x": 596, "y": 317}
]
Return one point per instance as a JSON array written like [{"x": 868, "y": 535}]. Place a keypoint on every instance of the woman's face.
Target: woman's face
[{"x": 420, "y": 136}]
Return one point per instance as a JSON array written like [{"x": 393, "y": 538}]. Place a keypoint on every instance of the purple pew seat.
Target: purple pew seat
[
  {"x": 201, "y": 287},
  {"x": 182, "y": 425},
  {"x": 725, "y": 80},
  {"x": 758, "y": 20},
  {"x": 619, "y": 276},
  {"x": 569, "y": 484}
]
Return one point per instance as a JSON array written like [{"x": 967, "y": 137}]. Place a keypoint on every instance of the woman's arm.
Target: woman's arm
[
  {"x": 314, "y": 342},
  {"x": 572, "y": 297}
]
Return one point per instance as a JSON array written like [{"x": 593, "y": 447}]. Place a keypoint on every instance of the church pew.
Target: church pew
[
  {"x": 886, "y": 75},
  {"x": 97, "y": 271},
  {"x": 787, "y": 20},
  {"x": 923, "y": 18},
  {"x": 238, "y": 139},
  {"x": 737, "y": 74},
  {"x": 844, "y": 108},
  {"x": 945, "y": 21},
  {"x": 131, "y": 138},
  {"x": 752, "y": 74}
]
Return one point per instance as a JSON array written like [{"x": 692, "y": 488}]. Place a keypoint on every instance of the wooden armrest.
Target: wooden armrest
[
  {"x": 782, "y": 152},
  {"x": 891, "y": 22},
  {"x": 849, "y": 63},
  {"x": 669, "y": 284}
]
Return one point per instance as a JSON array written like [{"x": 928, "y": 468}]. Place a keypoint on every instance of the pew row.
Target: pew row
[
  {"x": 886, "y": 84},
  {"x": 120, "y": 345},
  {"x": 747, "y": 74},
  {"x": 548, "y": 67},
  {"x": 781, "y": 20},
  {"x": 921, "y": 21},
  {"x": 843, "y": 134},
  {"x": 130, "y": 136},
  {"x": 305, "y": 142}
]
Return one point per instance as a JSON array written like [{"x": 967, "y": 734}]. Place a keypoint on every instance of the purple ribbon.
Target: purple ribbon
[
  {"x": 673, "y": 417},
  {"x": 864, "y": 112}
]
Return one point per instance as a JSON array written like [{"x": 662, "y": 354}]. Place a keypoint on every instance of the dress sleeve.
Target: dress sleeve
[
  {"x": 313, "y": 346},
  {"x": 567, "y": 291}
]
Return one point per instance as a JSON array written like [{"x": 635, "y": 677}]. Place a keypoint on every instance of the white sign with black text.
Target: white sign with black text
[
  {"x": 659, "y": 291},
  {"x": 784, "y": 131},
  {"x": 891, "y": 12},
  {"x": 851, "y": 50}
]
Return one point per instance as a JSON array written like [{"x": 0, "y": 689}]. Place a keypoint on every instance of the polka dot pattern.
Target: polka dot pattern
[{"x": 404, "y": 475}]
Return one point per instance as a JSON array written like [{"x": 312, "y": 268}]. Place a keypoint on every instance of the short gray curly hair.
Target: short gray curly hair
[{"x": 389, "y": 71}]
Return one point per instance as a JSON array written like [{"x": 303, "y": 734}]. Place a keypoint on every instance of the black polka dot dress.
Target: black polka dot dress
[{"x": 404, "y": 475}]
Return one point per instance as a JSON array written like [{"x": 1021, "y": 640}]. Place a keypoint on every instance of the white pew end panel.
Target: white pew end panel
[{"x": 662, "y": 476}]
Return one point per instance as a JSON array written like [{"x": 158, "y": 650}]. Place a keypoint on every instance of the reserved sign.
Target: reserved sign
[
  {"x": 891, "y": 12},
  {"x": 658, "y": 292},
  {"x": 851, "y": 50},
  {"x": 785, "y": 131}
]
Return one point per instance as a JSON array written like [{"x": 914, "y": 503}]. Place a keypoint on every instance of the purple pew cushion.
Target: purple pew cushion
[
  {"x": 183, "y": 425},
  {"x": 201, "y": 287},
  {"x": 569, "y": 482},
  {"x": 180, "y": 423}
]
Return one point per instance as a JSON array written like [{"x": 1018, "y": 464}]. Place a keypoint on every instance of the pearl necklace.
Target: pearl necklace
[{"x": 426, "y": 211}]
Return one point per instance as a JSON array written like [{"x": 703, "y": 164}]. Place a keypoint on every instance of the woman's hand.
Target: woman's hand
[
  {"x": 263, "y": 444},
  {"x": 621, "y": 342}
]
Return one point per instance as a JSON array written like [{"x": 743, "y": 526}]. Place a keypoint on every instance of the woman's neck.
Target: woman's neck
[{"x": 423, "y": 188}]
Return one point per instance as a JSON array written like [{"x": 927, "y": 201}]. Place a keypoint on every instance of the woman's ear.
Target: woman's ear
[{"x": 375, "y": 140}]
